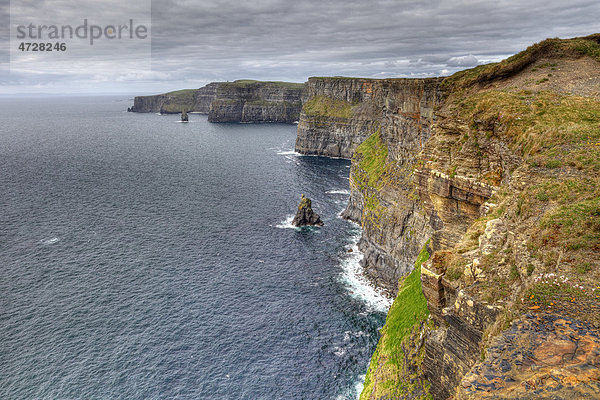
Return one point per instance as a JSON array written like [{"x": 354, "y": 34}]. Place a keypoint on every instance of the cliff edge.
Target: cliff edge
[{"x": 495, "y": 173}]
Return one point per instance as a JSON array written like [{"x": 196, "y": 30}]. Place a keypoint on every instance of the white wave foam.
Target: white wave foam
[
  {"x": 358, "y": 285},
  {"x": 286, "y": 223},
  {"x": 50, "y": 241},
  {"x": 288, "y": 153},
  {"x": 348, "y": 334},
  {"x": 359, "y": 385},
  {"x": 354, "y": 394},
  {"x": 338, "y": 351},
  {"x": 338, "y": 191}
]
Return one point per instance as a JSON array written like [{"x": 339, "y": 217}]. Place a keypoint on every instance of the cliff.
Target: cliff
[
  {"x": 238, "y": 101},
  {"x": 384, "y": 123},
  {"x": 499, "y": 168},
  {"x": 197, "y": 100}
]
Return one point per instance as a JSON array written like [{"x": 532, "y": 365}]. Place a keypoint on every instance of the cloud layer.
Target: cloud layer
[{"x": 194, "y": 42}]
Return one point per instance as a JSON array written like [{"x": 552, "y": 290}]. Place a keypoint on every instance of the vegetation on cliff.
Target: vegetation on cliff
[
  {"x": 556, "y": 207},
  {"x": 549, "y": 48},
  {"x": 395, "y": 369},
  {"x": 244, "y": 83},
  {"x": 371, "y": 156},
  {"x": 510, "y": 182},
  {"x": 323, "y": 106},
  {"x": 179, "y": 100},
  {"x": 370, "y": 166}
]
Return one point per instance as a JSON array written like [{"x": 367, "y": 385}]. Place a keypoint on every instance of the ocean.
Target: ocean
[{"x": 144, "y": 258}]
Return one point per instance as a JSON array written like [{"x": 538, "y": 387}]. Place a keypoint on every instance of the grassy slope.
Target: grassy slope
[
  {"x": 249, "y": 82},
  {"x": 323, "y": 106},
  {"x": 557, "y": 48},
  {"x": 179, "y": 100},
  {"x": 558, "y": 210},
  {"x": 388, "y": 376}
]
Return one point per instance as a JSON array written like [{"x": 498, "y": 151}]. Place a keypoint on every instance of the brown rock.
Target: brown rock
[{"x": 305, "y": 216}]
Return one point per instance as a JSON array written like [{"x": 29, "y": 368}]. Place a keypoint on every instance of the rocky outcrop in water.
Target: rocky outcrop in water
[
  {"x": 238, "y": 101},
  {"x": 184, "y": 116},
  {"x": 305, "y": 216}
]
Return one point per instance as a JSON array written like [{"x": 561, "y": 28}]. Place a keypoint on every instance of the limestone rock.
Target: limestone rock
[
  {"x": 184, "y": 116},
  {"x": 539, "y": 357},
  {"x": 493, "y": 237},
  {"x": 305, "y": 216}
]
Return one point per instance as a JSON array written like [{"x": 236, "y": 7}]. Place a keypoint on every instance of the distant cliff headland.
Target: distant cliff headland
[{"x": 238, "y": 101}]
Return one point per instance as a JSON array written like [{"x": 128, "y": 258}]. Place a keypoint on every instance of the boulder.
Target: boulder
[{"x": 305, "y": 216}]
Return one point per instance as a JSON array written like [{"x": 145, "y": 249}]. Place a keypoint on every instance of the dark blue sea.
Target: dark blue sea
[{"x": 144, "y": 258}]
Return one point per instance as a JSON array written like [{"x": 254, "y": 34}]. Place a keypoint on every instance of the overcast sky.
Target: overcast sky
[{"x": 194, "y": 42}]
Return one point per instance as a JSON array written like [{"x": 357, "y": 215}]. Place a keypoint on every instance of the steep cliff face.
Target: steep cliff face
[
  {"x": 336, "y": 118},
  {"x": 499, "y": 167},
  {"x": 168, "y": 103},
  {"x": 252, "y": 101},
  {"x": 204, "y": 97},
  {"x": 239, "y": 101},
  {"x": 382, "y": 125}
]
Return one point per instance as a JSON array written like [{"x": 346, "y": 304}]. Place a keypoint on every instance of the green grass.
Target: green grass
[
  {"x": 241, "y": 83},
  {"x": 323, "y": 106},
  {"x": 551, "y": 164},
  {"x": 182, "y": 92},
  {"x": 551, "y": 48},
  {"x": 538, "y": 124},
  {"x": 179, "y": 100},
  {"x": 409, "y": 307},
  {"x": 574, "y": 226},
  {"x": 372, "y": 155},
  {"x": 387, "y": 376}
]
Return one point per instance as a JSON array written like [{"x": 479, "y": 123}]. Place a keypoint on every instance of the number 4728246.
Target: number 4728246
[{"x": 42, "y": 46}]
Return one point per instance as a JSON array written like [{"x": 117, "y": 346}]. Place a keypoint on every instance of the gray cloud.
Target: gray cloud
[
  {"x": 194, "y": 42},
  {"x": 463, "y": 61}
]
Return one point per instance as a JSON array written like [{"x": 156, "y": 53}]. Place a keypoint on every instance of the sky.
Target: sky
[{"x": 194, "y": 42}]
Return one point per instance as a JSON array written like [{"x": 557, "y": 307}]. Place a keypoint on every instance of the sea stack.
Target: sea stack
[
  {"x": 305, "y": 215},
  {"x": 184, "y": 116}
]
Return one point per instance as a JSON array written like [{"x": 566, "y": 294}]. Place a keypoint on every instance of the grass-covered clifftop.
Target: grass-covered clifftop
[
  {"x": 245, "y": 83},
  {"x": 179, "y": 100}
]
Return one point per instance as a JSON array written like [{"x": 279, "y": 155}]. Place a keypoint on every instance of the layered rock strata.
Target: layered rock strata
[
  {"x": 238, "y": 101},
  {"x": 395, "y": 115},
  {"x": 498, "y": 167}
]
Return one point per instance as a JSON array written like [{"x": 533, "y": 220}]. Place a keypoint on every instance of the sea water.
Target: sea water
[{"x": 144, "y": 258}]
